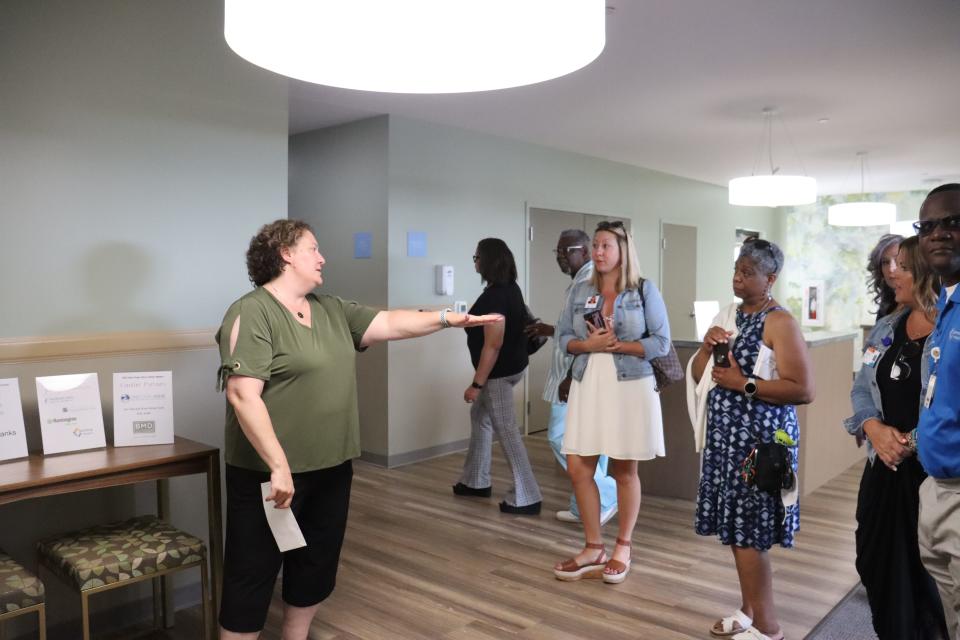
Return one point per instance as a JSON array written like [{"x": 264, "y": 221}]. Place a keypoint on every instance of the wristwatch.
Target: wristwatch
[
  {"x": 750, "y": 387},
  {"x": 476, "y": 386}
]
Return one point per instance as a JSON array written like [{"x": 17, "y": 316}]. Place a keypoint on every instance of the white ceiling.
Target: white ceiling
[{"x": 681, "y": 84}]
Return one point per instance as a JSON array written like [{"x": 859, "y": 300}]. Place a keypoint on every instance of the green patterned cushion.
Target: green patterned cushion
[
  {"x": 120, "y": 551},
  {"x": 19, "y": 588}
]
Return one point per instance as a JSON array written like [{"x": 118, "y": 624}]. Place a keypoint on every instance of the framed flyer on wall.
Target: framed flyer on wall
[
  {"x": 142, "y": 408},
  {"x": 813, "y": 312}
]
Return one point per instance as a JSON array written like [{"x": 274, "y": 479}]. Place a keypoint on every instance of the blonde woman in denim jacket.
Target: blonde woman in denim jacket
[
  {"x": 613, "y": 407},
  {"x": 886, "y": 399}
]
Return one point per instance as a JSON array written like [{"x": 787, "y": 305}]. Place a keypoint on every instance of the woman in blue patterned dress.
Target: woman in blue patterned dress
[{"x": 746, "y": 407}]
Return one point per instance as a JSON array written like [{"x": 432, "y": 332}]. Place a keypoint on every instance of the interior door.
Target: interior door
[
  {"x": 678, "y": 269},
  {"x": 545, "y": 296}
]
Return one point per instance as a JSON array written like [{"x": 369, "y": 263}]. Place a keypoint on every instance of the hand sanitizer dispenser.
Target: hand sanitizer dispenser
[{"x": 444, "y": 279}]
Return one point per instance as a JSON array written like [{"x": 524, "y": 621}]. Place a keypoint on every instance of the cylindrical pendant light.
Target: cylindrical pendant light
[
  {"x": 772, "y": 189},
  {"x": 863, "y": 213},
  {"x": 417, "y": 46}
]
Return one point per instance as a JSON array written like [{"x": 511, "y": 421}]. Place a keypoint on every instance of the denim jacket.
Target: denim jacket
[
  {"x": 630, "y": 321},
  {"x": 865, "y": 395}
]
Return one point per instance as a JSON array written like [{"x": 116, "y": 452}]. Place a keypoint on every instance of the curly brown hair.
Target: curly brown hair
[{"x": 264, "y": 262}]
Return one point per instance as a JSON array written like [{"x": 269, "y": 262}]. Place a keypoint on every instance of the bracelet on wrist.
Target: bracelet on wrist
[
  {"x": 475, "y": 385},
  {"x": 444, "y": 323}
]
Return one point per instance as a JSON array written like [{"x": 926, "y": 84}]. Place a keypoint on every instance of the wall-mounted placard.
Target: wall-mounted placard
[
  {"x": 71, "y": 418},
  {"x": 13, "y": 437},
  {"x": 416, "y": 244},
  {"x": 363, "y": 245},
  {"x": 142, "y": 408}
]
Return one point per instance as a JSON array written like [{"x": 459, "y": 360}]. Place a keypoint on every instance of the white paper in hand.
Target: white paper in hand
[{"x": 284, "y": 526}]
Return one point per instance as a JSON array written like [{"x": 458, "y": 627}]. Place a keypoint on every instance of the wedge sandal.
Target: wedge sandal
[{"x": 570, "y": 571}]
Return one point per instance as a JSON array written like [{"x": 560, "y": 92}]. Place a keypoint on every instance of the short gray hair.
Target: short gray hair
[{"x": 764, "y": 254}]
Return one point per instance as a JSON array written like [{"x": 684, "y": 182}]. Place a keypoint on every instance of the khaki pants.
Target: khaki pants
[{"x": 939, "y": 537}]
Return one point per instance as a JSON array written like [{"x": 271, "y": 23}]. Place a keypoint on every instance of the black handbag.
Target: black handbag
[{"x": 774, "y": 468}]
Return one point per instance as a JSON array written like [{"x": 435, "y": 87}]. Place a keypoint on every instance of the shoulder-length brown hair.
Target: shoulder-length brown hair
[{"x": 926, "y": 284}]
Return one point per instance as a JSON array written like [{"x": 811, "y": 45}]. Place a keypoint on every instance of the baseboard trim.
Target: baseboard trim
[
  {"x": 31, "y": 349},
  {"x": 418, "y": 455}
]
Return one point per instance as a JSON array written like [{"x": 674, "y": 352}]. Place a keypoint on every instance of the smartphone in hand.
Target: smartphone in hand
[
  {"x": 595, "y": 318},
  {"x": 721, "y": 354}
]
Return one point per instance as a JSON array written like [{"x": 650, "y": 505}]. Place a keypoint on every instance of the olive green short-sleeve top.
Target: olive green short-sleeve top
[{"x": 309, "y": 374}]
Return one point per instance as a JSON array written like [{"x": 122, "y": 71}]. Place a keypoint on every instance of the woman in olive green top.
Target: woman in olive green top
[{"x": 288, "y": 368}]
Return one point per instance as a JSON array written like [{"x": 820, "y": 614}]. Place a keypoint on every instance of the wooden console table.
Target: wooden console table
[{"x": 37, "y": 476}]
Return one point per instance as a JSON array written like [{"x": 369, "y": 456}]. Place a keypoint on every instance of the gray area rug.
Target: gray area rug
[{"x": 849, "y": 620}]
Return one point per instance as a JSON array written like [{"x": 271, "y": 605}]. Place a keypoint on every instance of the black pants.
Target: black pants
[
  {"x": 903, "y": 597},
  {"x": 252, "y": 560}
]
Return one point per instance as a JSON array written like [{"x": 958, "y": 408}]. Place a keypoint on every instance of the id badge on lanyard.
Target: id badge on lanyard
[{"x": 932, "y": 384}]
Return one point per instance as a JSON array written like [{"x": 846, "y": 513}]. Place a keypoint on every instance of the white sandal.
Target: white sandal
[
  {"x": 753, "y": 634},
  {"x": 727, "y": 628}
]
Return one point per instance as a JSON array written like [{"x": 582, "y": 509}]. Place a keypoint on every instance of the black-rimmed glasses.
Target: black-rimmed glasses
[
  {"x": 926, "y": 227},
  {"x": 476, "y": 257},
  {"x": 563, "y": 252},
  {"x": 901, "y": 370}
]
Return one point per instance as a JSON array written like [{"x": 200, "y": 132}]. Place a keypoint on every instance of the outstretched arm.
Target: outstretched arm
[{"x": 400, "y": 324}]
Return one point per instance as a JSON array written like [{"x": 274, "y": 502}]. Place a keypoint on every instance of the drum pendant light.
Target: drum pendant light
[
  {"x": 417, "y": 46},
  {"x": 862, "y": 213},
  {"x": 773, "y": 189}
]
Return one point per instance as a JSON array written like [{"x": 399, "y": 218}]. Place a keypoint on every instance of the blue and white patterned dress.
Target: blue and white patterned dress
[{"x": 726, "y": 507}]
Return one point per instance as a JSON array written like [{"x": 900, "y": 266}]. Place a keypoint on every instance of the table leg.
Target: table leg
[
  {"x": 166, "y": 582},
  {"x": 215, "y": 521}
]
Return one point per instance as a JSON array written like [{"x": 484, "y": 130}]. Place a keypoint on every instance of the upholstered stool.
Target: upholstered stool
[
  {"x": 109, "y": 556},
  {"x": 21, "y": 592}
]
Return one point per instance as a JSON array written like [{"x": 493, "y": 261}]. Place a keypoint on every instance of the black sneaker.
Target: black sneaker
[
  {"x": 525, "y": 510},
  {"x": 461, "y": 489}
]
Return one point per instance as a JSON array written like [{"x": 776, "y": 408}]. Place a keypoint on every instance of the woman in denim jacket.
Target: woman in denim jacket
[
  {"x": 886, "y": 400},
  {"x": 613, "y": 407}
]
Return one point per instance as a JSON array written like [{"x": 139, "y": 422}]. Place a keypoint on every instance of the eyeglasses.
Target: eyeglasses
[
  {"x": 901, "y": 370},
  {"x": 475, "y": 258},
  {"x": 607, "y": 225},
  {"x": 566, "y": 250},
  {"x": 926, "y": 227}
]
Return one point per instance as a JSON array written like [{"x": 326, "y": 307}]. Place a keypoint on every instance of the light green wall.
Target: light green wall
[
  {"x": 338, "y": 183},
  {"x": 138, "y": 155}
]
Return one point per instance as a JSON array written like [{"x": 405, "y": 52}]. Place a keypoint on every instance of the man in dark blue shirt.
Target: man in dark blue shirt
[{"x": 938, "y": 433}]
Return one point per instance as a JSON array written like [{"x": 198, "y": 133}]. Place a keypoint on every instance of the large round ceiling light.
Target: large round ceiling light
[{"x": 417, "y": 46}]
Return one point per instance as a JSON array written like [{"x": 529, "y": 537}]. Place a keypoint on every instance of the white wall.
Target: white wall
[
  {"x": 460, "y": 186},
  {"x": 138, "y": 155}
]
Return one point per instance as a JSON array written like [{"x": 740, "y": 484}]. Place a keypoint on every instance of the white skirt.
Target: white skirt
[{"x": 620, "y": 419}]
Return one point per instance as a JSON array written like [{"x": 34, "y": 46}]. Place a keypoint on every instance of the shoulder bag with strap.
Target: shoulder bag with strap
[{"x": 666, "y": 369}]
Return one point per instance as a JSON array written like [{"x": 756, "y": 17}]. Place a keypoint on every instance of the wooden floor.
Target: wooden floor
[{"x": 421, "y": 563}]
